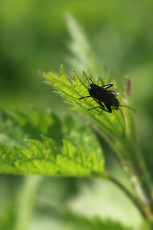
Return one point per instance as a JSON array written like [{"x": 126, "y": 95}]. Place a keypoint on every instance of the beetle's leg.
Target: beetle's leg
[
  {"x": 84, "y": 97},
  {"x": 101, "y": 105},
  {"x": 107, "y": 86},
  {"x": 109, "y": 108},
  {"x": 94, "y": 108}
]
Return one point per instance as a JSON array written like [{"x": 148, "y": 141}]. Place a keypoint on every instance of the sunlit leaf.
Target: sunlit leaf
[
  {"x": 46, "y": 158},
  {"x": 72, "y": 90}
]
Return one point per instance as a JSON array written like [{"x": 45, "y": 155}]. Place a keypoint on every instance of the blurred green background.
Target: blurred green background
[{"x": 33, "y": 37}]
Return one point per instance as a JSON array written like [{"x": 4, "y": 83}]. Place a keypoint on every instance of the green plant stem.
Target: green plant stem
[
  {"x": 134, "y": 199},
  {"x": 138, "y": 171},
  {"x": 133, "y": 162},
  {"x": 132, "y": 153},
  {"x": 25, "y": 200}
]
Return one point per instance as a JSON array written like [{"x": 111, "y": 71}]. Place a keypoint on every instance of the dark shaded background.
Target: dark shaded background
[{"x": 33, "y": 37}]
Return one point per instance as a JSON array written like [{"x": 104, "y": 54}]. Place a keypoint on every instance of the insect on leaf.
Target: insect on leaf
[{"x": 73, "y": 90}]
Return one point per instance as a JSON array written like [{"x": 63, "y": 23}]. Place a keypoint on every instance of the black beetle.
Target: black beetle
[
  {"x": 106, "y": 99},
  {"x": 103, "y": 97}
]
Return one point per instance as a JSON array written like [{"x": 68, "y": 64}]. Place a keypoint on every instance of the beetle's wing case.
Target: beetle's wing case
[{"x": 102, "y": 95}]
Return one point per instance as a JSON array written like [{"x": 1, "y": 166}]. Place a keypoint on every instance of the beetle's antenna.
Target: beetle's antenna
[
  {"x": 123, "y": 120},
  {"x": 129, "y": 108}
]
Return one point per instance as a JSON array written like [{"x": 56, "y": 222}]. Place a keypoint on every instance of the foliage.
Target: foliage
[
  {"x": 110, "y": 126},
  {"x": 92, "y": 223},
  {"x": 47, "y": 157},
  {"x": 44, "y": 144}
]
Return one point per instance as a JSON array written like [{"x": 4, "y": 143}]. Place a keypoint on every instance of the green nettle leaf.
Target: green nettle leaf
[
  {"x": 116, "y": 128},
  {"x": 121, "y": 137},
  {"x": 111, "y": 125},
  {"x": 15, "y": 128},
  {"x": 47, "y": 124},
  {"x": 11, "y": 132},
  {"x": 73, "y": 89},
  {"x": 46, "y": 158},
  {"x": 76, "y": 132},
  {"x": 53, "y": 156}
]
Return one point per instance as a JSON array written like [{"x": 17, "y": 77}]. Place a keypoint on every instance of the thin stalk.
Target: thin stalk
[
  {"x": 134, "y": 155},
  {"x": 141, "y": 207}
]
